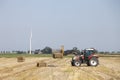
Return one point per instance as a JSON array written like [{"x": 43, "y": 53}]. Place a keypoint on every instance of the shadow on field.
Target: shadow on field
[
  {"x": 51, "y": 66},
  {"x": 85, "y": 66}
]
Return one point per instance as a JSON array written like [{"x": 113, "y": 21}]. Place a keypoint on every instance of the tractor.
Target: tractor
[{"x": 87, "y": 56}]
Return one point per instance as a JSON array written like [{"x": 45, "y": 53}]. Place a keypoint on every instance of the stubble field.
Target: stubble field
[{"x": 58, "y": 69}]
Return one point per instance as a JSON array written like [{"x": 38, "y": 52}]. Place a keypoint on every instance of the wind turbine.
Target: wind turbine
[{"x": 30, "y": 42}]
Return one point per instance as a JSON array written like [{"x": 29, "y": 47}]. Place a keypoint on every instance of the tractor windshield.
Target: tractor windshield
[{"x": 88, "y": 52}]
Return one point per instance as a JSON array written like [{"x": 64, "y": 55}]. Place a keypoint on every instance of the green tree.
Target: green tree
[{"x": 47, "y": 50}]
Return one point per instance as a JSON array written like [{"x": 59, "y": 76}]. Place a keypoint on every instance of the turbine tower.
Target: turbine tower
[{"x": 30, "y": 42}]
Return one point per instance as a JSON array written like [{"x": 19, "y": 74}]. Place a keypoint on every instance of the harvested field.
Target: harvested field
[{"x": 58, "y": 69}]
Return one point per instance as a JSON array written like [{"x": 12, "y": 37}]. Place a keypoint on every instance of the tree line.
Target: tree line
[{"x": 49, "y": 50}]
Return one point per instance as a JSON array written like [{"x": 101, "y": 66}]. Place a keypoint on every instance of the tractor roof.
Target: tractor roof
[{"x": 90, "y": 49}]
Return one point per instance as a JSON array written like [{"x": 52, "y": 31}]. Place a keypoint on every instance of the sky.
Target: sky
[{"x": 72, "y": 23}]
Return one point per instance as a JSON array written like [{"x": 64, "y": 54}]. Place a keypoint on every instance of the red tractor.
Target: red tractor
[{"x": 87, "y": 56}]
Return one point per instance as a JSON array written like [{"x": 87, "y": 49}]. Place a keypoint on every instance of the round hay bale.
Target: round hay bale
[{"x": 20, "y": 59}]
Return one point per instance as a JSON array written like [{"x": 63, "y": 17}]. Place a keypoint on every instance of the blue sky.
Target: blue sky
[{"x": 72, "y": 23}]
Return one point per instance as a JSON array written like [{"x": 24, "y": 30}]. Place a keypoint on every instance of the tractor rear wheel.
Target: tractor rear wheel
[
  {"x": 93, "y": 62},
  {"x": 77, "y": 63}
]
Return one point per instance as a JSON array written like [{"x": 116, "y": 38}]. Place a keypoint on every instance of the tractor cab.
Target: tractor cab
[{"x": 88, "y": 53}]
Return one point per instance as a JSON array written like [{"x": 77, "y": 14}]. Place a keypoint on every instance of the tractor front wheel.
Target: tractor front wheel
[
  {"x": 93, "y": 62},
  {"x": 77, "y": 63},
  {"x": 72, "y": 63}
]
